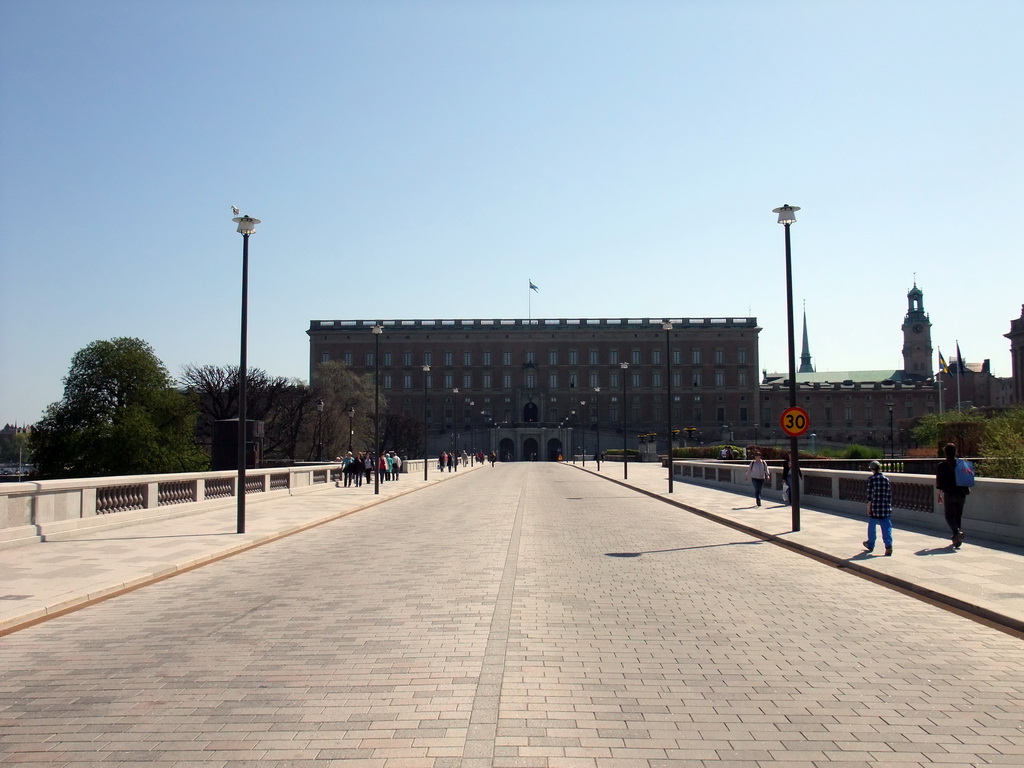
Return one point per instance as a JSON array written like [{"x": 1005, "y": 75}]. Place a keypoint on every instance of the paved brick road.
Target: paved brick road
[{"x": 525, "y": 615}]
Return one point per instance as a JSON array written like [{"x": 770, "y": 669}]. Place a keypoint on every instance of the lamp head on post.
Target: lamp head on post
[
  {"x": 666, "y": 326},
  {"x": 787, "y": 213},
  {"x": 319, "y": 406},
  {"x": 246, "y": 224}
]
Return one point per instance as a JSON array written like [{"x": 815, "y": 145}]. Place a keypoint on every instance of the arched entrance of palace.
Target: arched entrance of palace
[
  {"x": 530, "y": 413},
  {"x": 506, "y": 450},
  {"x": 530, "y": 449},
  {"x": 554, "y": 449}
]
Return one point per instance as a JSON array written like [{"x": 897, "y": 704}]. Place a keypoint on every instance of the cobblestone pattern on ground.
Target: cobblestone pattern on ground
[{"x": 524, "y": 615}]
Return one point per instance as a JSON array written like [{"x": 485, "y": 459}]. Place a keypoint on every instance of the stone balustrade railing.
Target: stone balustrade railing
[
  {"x": 31, "y": 512},
  {"x": 994, "y": 510}
]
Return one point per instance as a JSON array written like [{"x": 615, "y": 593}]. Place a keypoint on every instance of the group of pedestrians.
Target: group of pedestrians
[
  {"x": 952, "y": 495},
  {"x": 359, "y": 466}
]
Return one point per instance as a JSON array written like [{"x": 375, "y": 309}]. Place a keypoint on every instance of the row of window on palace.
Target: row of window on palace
[
  {"x": 635, "y": 357},
  {"x": 636, "y": 413},
  {"x": 531, "y": 380},
  {"x": 863, "y": 413},
  {"x": 695, "y": 413}
]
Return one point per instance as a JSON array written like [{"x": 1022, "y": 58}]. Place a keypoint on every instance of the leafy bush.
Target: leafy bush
[
  {"x": 965, "y": 429},
  {"x": 996, "y": 436},
  {"x": 1003, "y": 445},
  {"x": 616, "y": 453},
  {"x": 856, "y": 451},
  {"x": 706, "y": 451}
]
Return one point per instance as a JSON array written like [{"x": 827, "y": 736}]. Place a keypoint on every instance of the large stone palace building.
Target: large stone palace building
[
  {"x": 537, "y": 388},
  {"x": 534, "y": 388}
]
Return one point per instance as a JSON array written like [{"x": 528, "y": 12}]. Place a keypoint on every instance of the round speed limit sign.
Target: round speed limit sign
[{"x": 795, "y": 421}]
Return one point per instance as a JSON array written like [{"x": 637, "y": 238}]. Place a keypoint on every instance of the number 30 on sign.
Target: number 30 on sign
[{"x": 795, "y": 421}]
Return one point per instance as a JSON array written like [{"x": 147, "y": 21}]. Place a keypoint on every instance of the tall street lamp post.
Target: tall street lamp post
[
  {"x": 625, "y": 455},
  {"x": 892, "y": 445},
  {"x": 583, "y": 436},
  {"x": 246, "y": 227},
  {"x": 319, "y": 431},
  {"x": 351, "y": 413},
  {"x": 667, "y": 326},
  {"x": 597, "y": 425},
  {"x": 377, "y": 331},
  {"x": 455, "y": 427},
  {"x": 487, "y": 418},
  {"x": 572, "y": 435},
  {"x": 426, "y": 433},
  {"x": 787, "y": 216}
]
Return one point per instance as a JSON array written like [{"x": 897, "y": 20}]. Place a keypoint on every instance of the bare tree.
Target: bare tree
[
  {"x": 402, "y": 434},
  {"x": 342, "y": 391},
  {"x": 216, "y": 388}
]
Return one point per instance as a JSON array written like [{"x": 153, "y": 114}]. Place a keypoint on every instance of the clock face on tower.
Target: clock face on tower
[{"x": 918, "y": 328}]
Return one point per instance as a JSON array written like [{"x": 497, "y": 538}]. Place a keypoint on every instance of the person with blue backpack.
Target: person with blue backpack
[{"x": 954, "y": 478}]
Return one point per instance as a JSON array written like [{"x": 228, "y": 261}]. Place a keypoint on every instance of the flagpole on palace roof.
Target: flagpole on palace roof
[
  {"x": 943, "y": 368},
  {"x": 959, "y": 373}
]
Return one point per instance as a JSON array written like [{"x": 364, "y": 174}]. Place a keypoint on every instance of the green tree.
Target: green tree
[
  {"x": 1003, "y": 445},
  {"x": 965, "y": 429},
  {"x": 120, "y": 415},
  {"x": 15, "y": 447}
]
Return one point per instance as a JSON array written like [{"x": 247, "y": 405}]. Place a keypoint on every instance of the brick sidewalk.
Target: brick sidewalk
[
  {"x": 39, "y": 581},
  {"x": 982, "y": 578},
  {"x": 525, "y": 616}
]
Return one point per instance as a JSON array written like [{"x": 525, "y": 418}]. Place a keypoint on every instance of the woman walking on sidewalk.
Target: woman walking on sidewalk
[
  {"x": 759, "y": 474},
  {"x": 952, "y": 496}
]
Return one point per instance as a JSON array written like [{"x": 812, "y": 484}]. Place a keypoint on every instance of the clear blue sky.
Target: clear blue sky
[{"x": 427, "y": 159}]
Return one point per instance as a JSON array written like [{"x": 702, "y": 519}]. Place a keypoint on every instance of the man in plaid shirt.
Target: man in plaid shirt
[{"x": 879, "y": 508}]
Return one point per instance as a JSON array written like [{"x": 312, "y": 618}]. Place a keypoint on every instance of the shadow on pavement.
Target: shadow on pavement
[
  {"x": 137, "y": 538},
  {"x": 946, "y": 550},
  {"x": 679, "y": 549}
]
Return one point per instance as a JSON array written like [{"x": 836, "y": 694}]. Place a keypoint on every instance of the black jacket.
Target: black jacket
[{"x": 945, "y": 479}]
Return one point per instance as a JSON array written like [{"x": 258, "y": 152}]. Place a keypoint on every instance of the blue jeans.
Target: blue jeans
[
  {"x": 758, "y": 484},
  {"x": 885, "y": 523}
]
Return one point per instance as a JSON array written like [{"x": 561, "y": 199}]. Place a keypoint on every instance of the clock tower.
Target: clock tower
[{"x": 917, "y": 337}]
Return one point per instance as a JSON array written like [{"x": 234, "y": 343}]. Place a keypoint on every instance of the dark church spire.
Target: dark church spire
[{"x": 805, "y": 354}]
